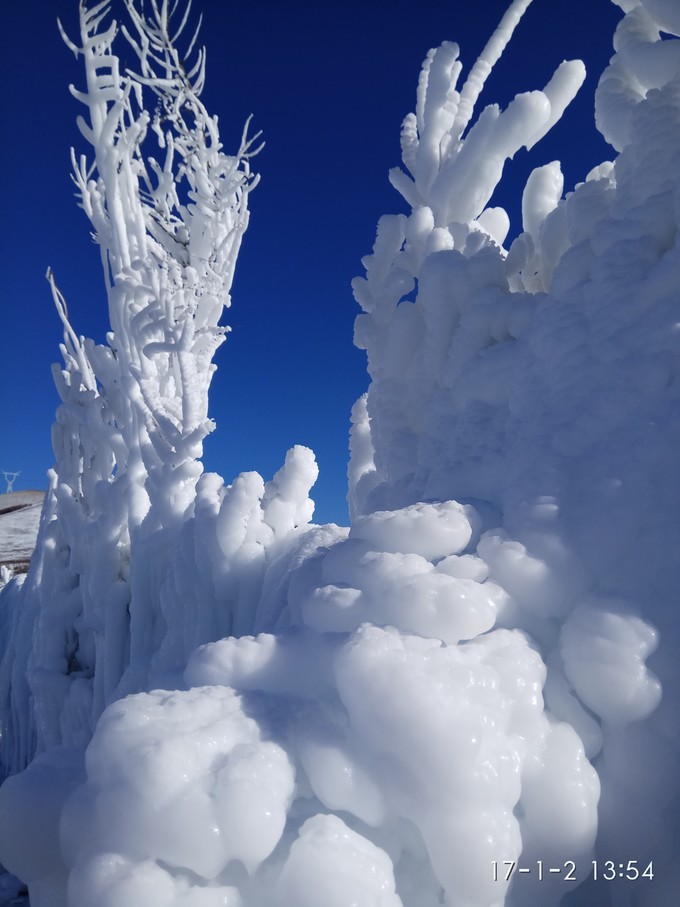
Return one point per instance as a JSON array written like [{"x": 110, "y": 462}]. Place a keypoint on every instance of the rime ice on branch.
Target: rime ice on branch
[
  {"x": 452, "y": 169},
  {"x": 454, "y": 173}
]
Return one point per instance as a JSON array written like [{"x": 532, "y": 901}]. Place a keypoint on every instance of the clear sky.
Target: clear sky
[{"x": 329, "y": 86}]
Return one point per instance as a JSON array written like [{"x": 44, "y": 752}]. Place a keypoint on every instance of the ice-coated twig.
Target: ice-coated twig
[
  {"x": 485, "y": 63},
  {"x": 72, "y": 343}
]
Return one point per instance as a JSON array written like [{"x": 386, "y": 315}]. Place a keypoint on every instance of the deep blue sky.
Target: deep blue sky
[{"x": 329, "y": 87}]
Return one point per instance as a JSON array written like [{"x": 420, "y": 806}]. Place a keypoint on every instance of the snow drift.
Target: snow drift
[{"x": 227, "y": 705}]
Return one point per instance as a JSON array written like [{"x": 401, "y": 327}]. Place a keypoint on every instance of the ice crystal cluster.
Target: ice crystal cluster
[{"x": 208, "y": 701}]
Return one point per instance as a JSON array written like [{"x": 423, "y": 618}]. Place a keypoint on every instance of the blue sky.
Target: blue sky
[{"x": 328, "y": 86}]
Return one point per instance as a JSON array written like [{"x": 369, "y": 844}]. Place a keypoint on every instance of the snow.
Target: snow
[
  {"x": 208, "y": 700},
  {"x": 604, "y": 652},
  {"x": 331, "y": 864}
]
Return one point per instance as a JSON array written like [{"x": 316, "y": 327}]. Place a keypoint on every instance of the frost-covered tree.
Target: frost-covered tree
[
  {"x": 168, "y": 208},
  {"x": 169, "y": 231}
]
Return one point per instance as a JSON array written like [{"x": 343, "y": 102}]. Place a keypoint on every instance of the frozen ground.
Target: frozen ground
[{"x": 19, "y": 520}]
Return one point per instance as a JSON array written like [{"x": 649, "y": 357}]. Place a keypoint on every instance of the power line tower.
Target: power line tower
[{"x": 10, "y": 478}]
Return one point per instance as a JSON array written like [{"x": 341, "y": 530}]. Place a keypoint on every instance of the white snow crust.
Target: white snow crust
[{"x": 209, "y": 701}]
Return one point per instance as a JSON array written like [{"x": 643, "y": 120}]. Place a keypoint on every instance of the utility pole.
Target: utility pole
[{"x": 10, "y": 478}]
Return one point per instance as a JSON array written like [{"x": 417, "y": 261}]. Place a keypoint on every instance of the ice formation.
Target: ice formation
[{"x": 225, "y": 704}]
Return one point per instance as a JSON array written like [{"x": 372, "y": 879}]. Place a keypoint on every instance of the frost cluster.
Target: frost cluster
[{"x": 228, "y": 706}]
